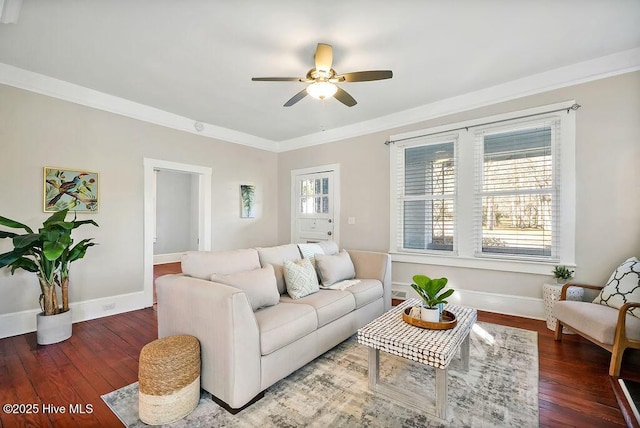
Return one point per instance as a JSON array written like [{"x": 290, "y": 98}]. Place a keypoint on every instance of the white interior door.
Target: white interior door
[{"x": 314, "y": 207}]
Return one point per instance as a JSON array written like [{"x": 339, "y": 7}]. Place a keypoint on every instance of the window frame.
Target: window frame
[{"x": 465, "y": 232}]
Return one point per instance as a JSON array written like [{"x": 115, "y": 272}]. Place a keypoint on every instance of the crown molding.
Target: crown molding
[
  {"x": 582, "y": 72},
  {"x": 586, "y": 71},
  {"x": 49, "y": 86}
]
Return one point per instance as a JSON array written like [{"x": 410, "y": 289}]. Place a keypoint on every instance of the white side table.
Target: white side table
[{"x": 551, "y": 294}]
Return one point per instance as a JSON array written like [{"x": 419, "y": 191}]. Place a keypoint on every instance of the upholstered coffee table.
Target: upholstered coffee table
[{"x": 436, "y": 348}]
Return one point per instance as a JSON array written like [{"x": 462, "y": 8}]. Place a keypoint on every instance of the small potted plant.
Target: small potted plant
[
  {"x": 430, "y": 292},
  {"x": 47, "y": 253},
  {"x": 562, "y": 274}
]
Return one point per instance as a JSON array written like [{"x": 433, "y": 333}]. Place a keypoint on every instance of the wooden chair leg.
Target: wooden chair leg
[
  {"x": 616, "y": 361},
  {"x": 558, "y": 334}
]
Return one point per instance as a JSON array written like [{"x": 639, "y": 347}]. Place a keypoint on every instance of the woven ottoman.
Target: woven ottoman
[{"x": 169, "y": 379}]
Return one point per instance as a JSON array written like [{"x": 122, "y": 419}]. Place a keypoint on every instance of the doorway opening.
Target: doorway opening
[{"x": 201, "y": 191}]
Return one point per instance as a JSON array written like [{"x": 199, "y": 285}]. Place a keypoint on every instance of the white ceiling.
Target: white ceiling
[{"x": 195, "y": 58}]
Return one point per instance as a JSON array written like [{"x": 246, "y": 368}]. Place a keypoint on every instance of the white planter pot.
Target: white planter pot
[
  {"x": 431, "y": 315},
  {"x": 53, "y": 328}
]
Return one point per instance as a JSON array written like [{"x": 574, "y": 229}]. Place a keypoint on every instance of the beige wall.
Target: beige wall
[
  {"x": 607, "y": 175},
  {"x": 37, "y": 131}
]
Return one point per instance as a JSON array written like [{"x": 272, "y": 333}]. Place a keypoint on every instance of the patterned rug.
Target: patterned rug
[{"x": 500, "y": 389}]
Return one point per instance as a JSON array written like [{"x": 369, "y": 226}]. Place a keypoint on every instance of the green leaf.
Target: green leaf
[
  {"x": 26, "y": 264},
  {"x": 79, "y": 250},
  {"x": 446, "y": 294},
  {"x": 81, "y": 222},
  {"x": 25, "y": 241},
  {"x": 53, "y": 250},
  {"x": 14, "y": 224},
  {"x": 7, "y": 258},
  {"x": 4, "y": 234},
  {"x": 56, "y": 217}
]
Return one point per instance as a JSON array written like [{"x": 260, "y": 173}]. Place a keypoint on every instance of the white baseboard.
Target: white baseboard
[
  {"x": 527, "y": 307},
  {"x": 160, "y": 259},
  {"x": 25, "y": 322}
]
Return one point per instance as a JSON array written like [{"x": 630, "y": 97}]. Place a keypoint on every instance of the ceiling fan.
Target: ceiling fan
[{"x": 323, "y": 79}]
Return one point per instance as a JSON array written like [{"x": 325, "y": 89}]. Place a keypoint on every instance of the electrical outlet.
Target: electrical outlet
[{"x": 109, "y": 307}]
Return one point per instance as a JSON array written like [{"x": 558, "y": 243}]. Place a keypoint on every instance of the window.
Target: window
[
  {"x": 515, "y": 208},
  {"x": 427, "y": 202},
  {"x": 314, "y": 196},
  {"x": 493, "y": 193}
]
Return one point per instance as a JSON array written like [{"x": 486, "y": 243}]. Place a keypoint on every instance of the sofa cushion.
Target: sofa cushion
[
  {"x": 334, "y": 268},
  {"x": 202, "y": 264},
  {"x": 328, "y": 304},
  {"x": 328, "y": 247},
  {"x": 276, "y": 256},
  {"x": 598, "y": 321},
  {"x": 623, "y": 287},
  {"x": 309, "y": 252},
  {"x": 366, "y": 291},
  {"x": 283, "y": 324},
  {"x": 300, "y": 278},
  {"x": 259, "y": 284}
]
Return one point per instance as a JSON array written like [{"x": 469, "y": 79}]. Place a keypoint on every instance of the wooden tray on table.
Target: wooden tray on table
[{"x": 447, "y": 321}]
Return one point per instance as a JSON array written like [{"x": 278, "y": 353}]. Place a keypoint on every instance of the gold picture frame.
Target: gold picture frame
[{"x": 73, "y": 189}]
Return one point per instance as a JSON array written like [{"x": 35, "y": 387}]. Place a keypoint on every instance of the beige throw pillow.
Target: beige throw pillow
[
  {"x": 334, "y": 268},
  {"x": 300, "y": 277},
  {"x": 259, "y": 284},
  {"x": 623, "y": 286}
]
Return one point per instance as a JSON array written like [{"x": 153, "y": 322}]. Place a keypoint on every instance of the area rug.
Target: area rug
[{"x": 500, "y": 389}]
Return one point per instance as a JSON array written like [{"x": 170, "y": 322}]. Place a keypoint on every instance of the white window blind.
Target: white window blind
[
  {"x": 426, "y": 190},
  {"x": 516, "y": 211}
]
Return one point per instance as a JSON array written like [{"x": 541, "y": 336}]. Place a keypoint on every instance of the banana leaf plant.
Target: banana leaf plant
[
  {"x": 48, "y": 253},
  {"x": 428, "y": 290}
]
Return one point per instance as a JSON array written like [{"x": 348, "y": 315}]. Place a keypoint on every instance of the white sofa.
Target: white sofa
[{"x": 246, "y": 351}]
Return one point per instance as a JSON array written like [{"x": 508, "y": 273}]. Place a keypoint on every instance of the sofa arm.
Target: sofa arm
[
  {"x": 221, "y": 318},
  {"x": 372, "y": 265}
]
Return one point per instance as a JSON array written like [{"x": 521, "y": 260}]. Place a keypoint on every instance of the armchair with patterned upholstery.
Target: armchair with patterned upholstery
[{"x": 612, "y": 320}]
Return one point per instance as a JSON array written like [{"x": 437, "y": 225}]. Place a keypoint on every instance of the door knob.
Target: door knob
[
  {"x": 330, "y": 221},
  {"x": 329, "y": 233}
]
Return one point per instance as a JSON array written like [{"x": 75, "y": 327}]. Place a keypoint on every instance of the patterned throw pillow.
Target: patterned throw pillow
[
  {"x": 623, "y": 287},
  {"x": 301, "y": 278}
]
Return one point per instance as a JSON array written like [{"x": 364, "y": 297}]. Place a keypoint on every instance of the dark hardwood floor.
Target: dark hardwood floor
[{"x": 102, "y": 355}]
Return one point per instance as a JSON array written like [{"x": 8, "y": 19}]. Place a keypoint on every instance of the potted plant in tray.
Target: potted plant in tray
[
  {"x": 562, "y": 274},
  {"x": 48, "y": 253},
  {"x": 428, "y": 290}
]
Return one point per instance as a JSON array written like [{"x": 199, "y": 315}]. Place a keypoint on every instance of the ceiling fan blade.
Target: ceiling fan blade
[
  {"x": 323, "y": 57},
  {"x": 344, "y": 97},
  {"x": 365, "y": 76},
  {"x": 278, "y": 79},
  {"x": 297, "y": 97}
]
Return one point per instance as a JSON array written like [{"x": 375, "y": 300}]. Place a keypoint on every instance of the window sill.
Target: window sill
[{"x": 521, "y": 266}]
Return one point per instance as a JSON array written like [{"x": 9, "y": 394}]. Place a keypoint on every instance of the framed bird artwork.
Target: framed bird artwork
[{"x": 76, "y": 190}]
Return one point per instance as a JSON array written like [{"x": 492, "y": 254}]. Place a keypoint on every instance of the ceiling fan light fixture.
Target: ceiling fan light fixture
[{"x": 322, "y": 90}]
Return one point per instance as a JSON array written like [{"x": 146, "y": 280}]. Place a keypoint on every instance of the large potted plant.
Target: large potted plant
[
  {"x": 48, "y": 253},
  {"x": 430, "y": 292}
]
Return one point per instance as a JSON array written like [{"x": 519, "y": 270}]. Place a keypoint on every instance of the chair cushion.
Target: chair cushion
[
  {"x": 334, "y": 268},
  {"x": 328, "y": 304},
  {"x": 276, "y": 256},
  {"x": 623, "y": 287},
  {"x": 597, "y": 321},
  {"x": 283, "y": 324},
  {"x": 366, "y": 291},
  {"x": 202, "y": 264},
  {"x": 259, "y": 284},
  {"x": 300, "y": 278}
]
